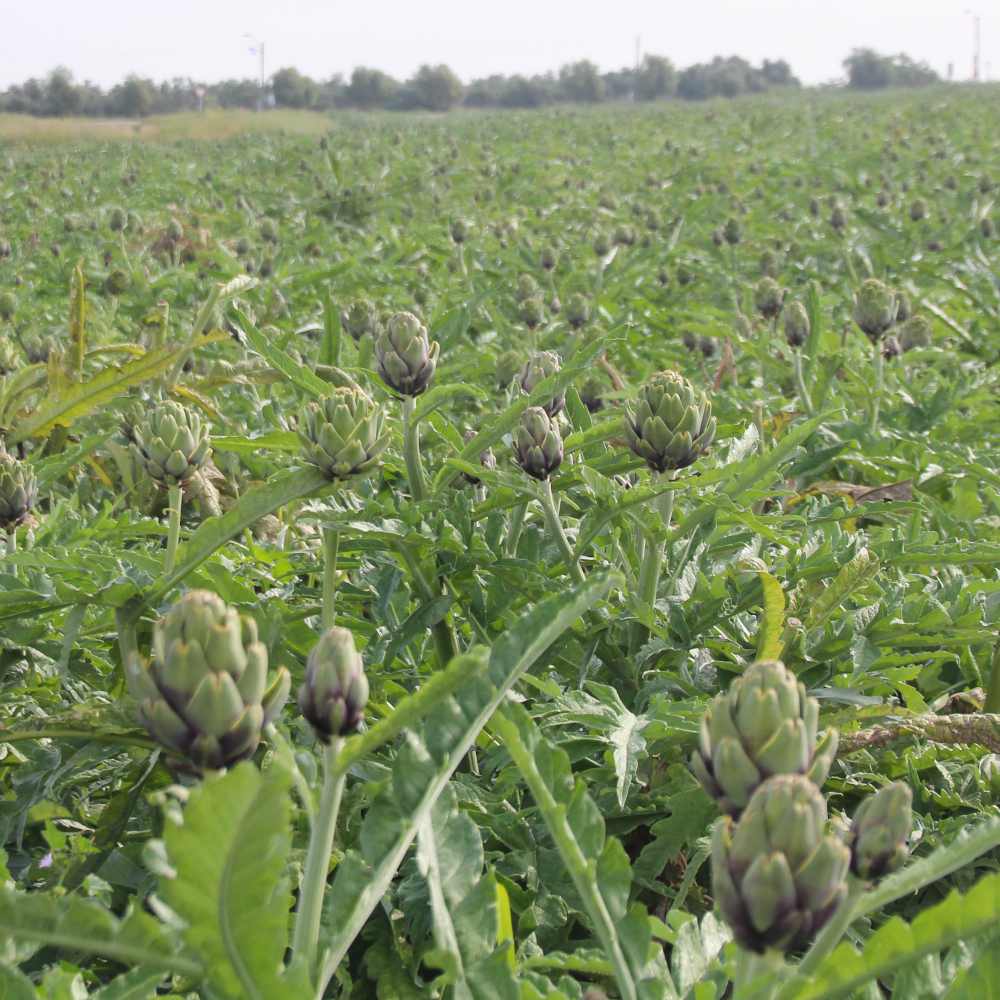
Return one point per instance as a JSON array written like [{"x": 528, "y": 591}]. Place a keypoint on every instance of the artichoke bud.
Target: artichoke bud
[
  {"x": 18, "y": 490},
  {"x": 117, "y": 282},
  {"x": 8, "y": 306},
  {"x": 538, "y": 446},
  {"x": 577, "y": 310},
  {"x": 592, "y": 393},
  {"x": 334, "y": 692},
  {"x": 875, "y": 308},
  {"x": 343, "y": 434},
  {"x": 361, "y": 317},
  {"x": 880, "y": 831},
  {"x": 732, "y": 231},
  {"x": 891, "y": 347},
  {"x": 406, "y": 357},
  {"x": 670, "y": 425},
  {"x": 797, "y": 326},
  {"x": 915, "y": 332},
  {"x": 548, "y": 258},
  {"x": 509, "y": 364},
  {"x": 540, "y": 366},
  {"x": 532, "y": 312},
  {"x": 117, "y": 219},
  {"x": 768, "y": 298},
  {"x": 764, "y": 725},
  {"x": 171, "y": 443},
  {"x": 777, "y": 875},
  {"x": 527, "y": 287},
  {"x": 205, "y": 695},
  {"x": 904, "y": 308},
  {"x": 459, "y": 230}
]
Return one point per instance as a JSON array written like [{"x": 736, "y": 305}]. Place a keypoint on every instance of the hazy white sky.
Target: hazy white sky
[{"x": 104, "y": 40}]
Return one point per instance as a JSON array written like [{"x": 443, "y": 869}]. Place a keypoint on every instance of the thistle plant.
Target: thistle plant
[
  {"x": 171, "y": 444},
  {"x": 204, "y": 695},
  {"x": 406, "y": 361}
]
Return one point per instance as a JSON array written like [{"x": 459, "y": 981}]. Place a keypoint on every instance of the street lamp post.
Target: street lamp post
[{"x": 257, "y": 49}]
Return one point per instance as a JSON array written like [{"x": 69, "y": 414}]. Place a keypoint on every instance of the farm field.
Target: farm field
[{"x": 404, "y": 522}]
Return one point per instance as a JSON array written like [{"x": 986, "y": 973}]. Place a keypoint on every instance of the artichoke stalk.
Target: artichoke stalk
[
  {"x": 764, "y": 725},
  {"x": 204, "y": 695}
]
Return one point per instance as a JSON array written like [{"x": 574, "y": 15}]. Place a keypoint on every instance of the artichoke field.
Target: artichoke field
[{"x": 540, "y": 555}]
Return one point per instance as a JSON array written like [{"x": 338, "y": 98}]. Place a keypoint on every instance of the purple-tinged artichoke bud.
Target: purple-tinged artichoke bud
[
  {"x": 204, "y": 695},
  {"x": 548, "y": 258},
  {"x": 777, "y": 876},
  {"x": 764, "y": 725},
  {"x": 538, "y": 446},
  {"x": 768, "y": 298},
  {"x": 875, "y": 307},
  {"x": 532, "y": 312},
  {"x": 577, "y": 310},
  {"x": 540, "y": 366},
  {"x": 670, "y": 424},
  {"x": 732, "y": 231},
  {"x": 459, "y": 230},
  {"x": 334, "y": 692},
  {"x": 18, "y": 490},
  {"x": 406, "y": 357},
  {"x": 880, "y": 831},
  {"x": 796, "y": 321}
]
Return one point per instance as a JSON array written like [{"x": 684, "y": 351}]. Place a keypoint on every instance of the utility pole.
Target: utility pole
[
  {"x": 638, "y": 63},
  {"x": 977, "y": 42},
  {"x": 257, "y": 49}
]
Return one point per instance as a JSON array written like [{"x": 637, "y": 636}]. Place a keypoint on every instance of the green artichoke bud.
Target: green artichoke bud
[
  {"x": 577, "y": 310},
  {"x": 10, "y": 357},
  {"x": 875, "y": 307},
  {"x": 915, "y": 332},
  {"x": 732, "y": 231},
  {"x": 532, "y": 312},
  {"x": 269, "y": 230},
  {"x": 175, "y": 231},
  {"x": 904, "y": 308},
  {"x": 601, "y": 244},
  {"x": 527, "y": 287},
  {"x": 117, "y": 282},
  {"x": 768, "y": 298},
  {"x": 205, "y": 693},
  {"x": 540, "y": 366},
  {"x": 117, "y": 219},
  {"x": 777, "y": 877},
  {"x": 361, "y": 317},
  {"x": 796, "y": 321},
  {"x": 838, "y": 218},
  {"x": 707, "y": 347},
  {"x": 406, "y": 357},
  {"x": 548, "y": 258},
  {"x": 881, "y": 828},
  {"x": 459, "y": 230},
  {"x": 18, "y": 490},
  {"x": 171, "y": 444},
  {"x": 689, "y": 340},
  {"x": 986, "y": 227},
  {"x": 508, "y": 365},
  {"x": 670, "y": 425},
  {"x": 538, "y": 446},
  {"x": 592, "y": 392},
  {"x": 8, "y": 306},
  {"x": 335, "y": 690},
  {"x": 891, "y": 348},
  {"x": 918, "y": 210},
  {"x": 989, "y": 768},
  {"x": 624, "y": 236},
  {"x": 342, "y": 434},
  {"x": 764, "y": 725}
]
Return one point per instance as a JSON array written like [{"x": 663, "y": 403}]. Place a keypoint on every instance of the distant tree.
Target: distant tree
[
  {"x": 695, "y": 83},
  {"x": 370, "y": 88},
  {"x": 292, "y": 89},
  {"x": 581, "y": 82},
  {"x": 435, "y": 88},
  {"x": 134, "y": 98},
  {"x": 619, "y": 84},
  {"x": 236, "y": 93},
  {"x": 62, "y": 97},
  {"x": 528, "y": 92},
  {"x": 486, "y": 92},
  {"x": 656, "y": 78},
  {"x": 906, "y": 72},
  {"x": 778, "y": 73},
  {"x": 867, "y": 70}
]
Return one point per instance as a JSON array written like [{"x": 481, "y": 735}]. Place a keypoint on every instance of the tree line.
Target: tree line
[{"x": 437, "y": 88}]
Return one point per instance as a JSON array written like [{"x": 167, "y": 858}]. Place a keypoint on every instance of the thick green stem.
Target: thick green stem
[
  {"x": 11, "y": 540},
  {"x": 556, "y": 530},
  {"x": 835, "y": 928},
  {"x": 313, "y": 888},
  {"x": 652, "y": 558},
  {"x": 992, "y": 703},
  {"x": 173, "y": 528},
  {"x": 878, "y": 363},
  {"x": 759, "y": 976},
  {"x": 331, "y": 546},
  {"x": 127, "y": 644},
  {"x": 514, "y": 529},
  {"x": 411, "y": 450},
  {"x": 800, "y": 383}
]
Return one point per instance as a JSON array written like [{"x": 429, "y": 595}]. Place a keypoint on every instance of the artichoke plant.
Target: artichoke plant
[
  {"x": 796, "y": 322},
  {"x": 538, "y": 446},
  {"x": 777, "y": 876},
  {"x": 875, "y": 308},
  {"x": 361, "y": 317},
  {"x": 406, "y": 357},
  {"x": 204, "y": 695},
  {"x": 880, "y": 831},
  {"x": 171, "y": 444},
  {"x": 334, "y": 691},
  {"x": 540, "y": 366},
  {"x": 670, "y": 425},
  {"x": 343, "y": 434},
  {"x": 18, "y": 490},
  {"x": 764, "y": 725}
]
